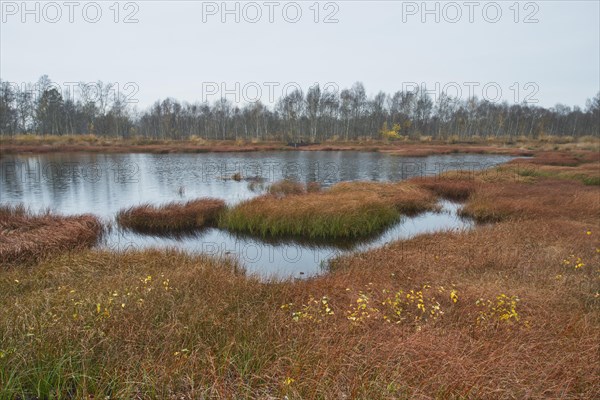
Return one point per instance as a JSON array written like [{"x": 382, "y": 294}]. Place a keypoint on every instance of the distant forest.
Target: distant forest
[{"x": 315, "y": 116}]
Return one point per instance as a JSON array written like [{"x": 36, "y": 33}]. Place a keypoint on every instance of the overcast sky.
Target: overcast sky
[{"x": 545, "y": 51}]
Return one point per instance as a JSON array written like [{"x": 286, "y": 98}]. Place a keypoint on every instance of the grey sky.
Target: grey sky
[{"x": 172, "y": 52}]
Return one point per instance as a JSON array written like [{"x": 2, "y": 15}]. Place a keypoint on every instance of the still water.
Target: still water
[{"x": 102, "y": 184}]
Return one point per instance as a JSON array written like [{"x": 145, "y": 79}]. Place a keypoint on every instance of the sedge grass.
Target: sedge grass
[
  {"x": 171, "y": 218},
  {"x": 542, "y": 199},
  {"x": 27, "y": 237},
  {"x": 163, "y": 324},
  {"x": 285, "y": 187},
  {"x": 347, "y": 210}
]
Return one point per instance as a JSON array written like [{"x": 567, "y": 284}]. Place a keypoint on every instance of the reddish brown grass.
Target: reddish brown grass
[
  {"x": 540, "y": 357},
  {"x": 581, "y": 167},
  {"x": 26, "y": 237},
  {"x": 458, "y": 189},
  {"x": 90, "y": 143},
  {"x": 404, "y": 196},
  {"x": 229, "y": 335},
  {"x": 173, "y": 217},
  {"x": 561, "y": 158},
  {"x": 421, "y": 150},
  {"x": 542, "y": 199}
]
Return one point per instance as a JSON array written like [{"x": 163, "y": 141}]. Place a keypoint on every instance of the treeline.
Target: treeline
[{"x": 317, "y": 115}]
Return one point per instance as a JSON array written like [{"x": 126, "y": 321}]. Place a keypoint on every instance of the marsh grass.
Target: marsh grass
[
  {"x": 561, "y": 158},
  {"x": 286, "y": 187},
  {"x": 163, "y": 324},
  {"x": 119, "y": 324},
  {"x": 326, "y": 243},
  {"x": 588, "y": 173},
  {"x": 457, "y": 189},
  {"x": 346, "y": 210},
  {"x": 100, "y": 144},
  {"x": 542, "y": 199},
  {"x": 171, "y": 218},
  {"x": 27, "y": 237},
  {"x": 516, "y": 312}
]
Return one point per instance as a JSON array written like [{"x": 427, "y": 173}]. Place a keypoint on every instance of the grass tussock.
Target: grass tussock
[
  {"x": 346, "y": 210},
  {"x": 555, "y": 312},
  {"x": 173, "y": 217},
  {"x": 27, "y": 237},
  {"x": 286, "y": 187},
  {"x": 458, "y": 189}
]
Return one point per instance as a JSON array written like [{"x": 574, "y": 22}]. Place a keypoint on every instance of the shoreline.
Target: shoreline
[{"x": 41, "y": 145}]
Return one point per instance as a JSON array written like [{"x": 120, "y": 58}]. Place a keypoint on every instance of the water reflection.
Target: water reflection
[
  {"x": 73, "y": 183},
  {"x": 281, "y": 259}
]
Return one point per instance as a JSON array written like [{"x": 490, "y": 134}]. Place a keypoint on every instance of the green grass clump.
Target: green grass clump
[
  {"x": 591, "y": 180},
  {"x": 587, "y": 173},
  {"x": 362, "y": 222},
  {"x": 347, "y": 210}
]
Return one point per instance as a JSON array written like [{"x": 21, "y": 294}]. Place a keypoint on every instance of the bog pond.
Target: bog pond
[{"x": 103, "y": 184}]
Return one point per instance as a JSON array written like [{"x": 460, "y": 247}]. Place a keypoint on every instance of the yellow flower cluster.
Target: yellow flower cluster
[
  {"x": 573, "y": 261},
  {"x": 413, "y": 305},
  {"x": 390, "y": 306},
  {"x": 361, "y": 310},
  {"x": 315, "y": 310},
  {"x": 503, "y": 309},
  {"x": 105, "y": 306}
]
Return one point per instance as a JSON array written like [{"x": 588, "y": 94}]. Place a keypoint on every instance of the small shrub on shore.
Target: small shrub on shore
[
  {"x": 171, "y": 218},
  {"x": 27, "y": 237}
]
